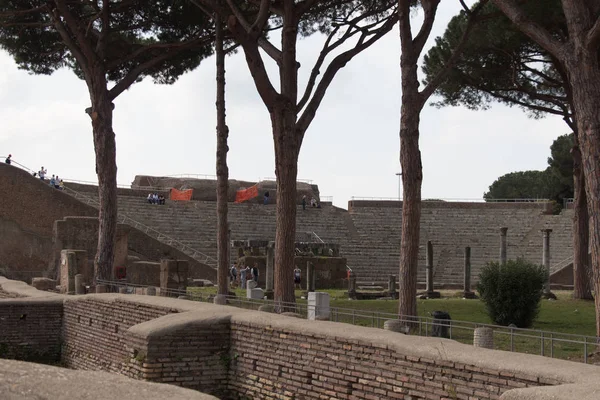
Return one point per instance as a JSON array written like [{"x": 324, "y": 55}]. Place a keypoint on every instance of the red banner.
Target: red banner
[
  {"x": 246, "y": 194},
  {"x": 183, "y": 195}
]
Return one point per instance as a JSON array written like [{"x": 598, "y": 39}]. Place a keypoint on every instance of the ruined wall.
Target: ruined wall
[
  {"x": 193, "y": 352},
  {"x": 29, "y": 209},
  {"x": 94, "y": 331},
  {"x": 30, "y": 329}
]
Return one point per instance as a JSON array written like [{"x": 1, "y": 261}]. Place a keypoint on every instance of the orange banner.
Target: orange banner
[
  {"x": 246, "y": 194},
  {"x": 184, "y": 195}
]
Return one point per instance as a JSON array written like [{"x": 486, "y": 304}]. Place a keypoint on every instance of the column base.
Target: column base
[
  {"x": 220, "y": 299},
  {"x": 392, "y": 295},
  {"x": 469, "y": 295},
  {"x": 269, "y": 294}
]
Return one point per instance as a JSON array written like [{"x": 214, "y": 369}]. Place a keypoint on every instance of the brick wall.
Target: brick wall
[
  {"x": 311, "y": 366},
  {"x": 94, "y": 331},
  {"x": 193, "y": 352},
  {"x": 30, "y": 329}
]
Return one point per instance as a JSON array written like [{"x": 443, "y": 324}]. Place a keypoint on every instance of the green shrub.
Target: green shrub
[{"x": 512, "y": 293}]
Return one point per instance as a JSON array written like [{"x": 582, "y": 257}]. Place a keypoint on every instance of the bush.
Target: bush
[{"x": 512, "y": 293}]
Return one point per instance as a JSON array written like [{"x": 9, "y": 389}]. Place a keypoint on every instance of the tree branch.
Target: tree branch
[
  {"x": 336, "y": 64},
  {"x": 593, "y": 36},
  {"x": 430, "y": 8},
  {"x": 73, "y": 25},
  {"x": 526, "y": 25},
  {"x": 433, "y": 84},
  {"x": 134, "y": 74},
  {"x": 255, "y": 63},
  {"x": 71, "y": 44}
]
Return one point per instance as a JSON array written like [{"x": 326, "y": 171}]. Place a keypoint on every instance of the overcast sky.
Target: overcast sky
[{"x": 351, "y": 148}]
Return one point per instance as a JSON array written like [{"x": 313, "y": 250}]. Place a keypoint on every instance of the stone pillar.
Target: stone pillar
[
  {"x": 270, "y": 270},
  {"x": 151, "y": 291},
  {"x": 352, "y": 285},
  {"x": 79, "y": 284},
  {"x": 467, "y": 293},
  {"x": 310, "y": 277},
  {"x": 503, "y": 245},
  {"x": 431, "y": 294},
  {"x": 73, "y": 262},
  {"x": 318, "y": 306},
  {"x": 101, "y": 288},
  {"x": 483, "y": 337},
  {"x": 546, "y": 262},
  {"x": 173, "y": 277},
  {"x": 220, "y": 299},
  {"x": 392, "y": 287}
]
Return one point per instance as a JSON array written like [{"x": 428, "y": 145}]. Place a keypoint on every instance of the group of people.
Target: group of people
[
  {"x": 243, "y": 274},
  {"x": 313, "y": 203},
  {"x": 55, "y": 181},
  {"x": 155, "y": 198}
]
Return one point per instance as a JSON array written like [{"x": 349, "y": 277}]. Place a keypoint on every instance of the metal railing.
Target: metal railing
[
  {"x": 328, "y": 199},
  {"x": 161, "y": 237},
  {"x": 314, "y": 235},
  {"x": 532, "y": 341},
  {"x": 309, "y": 181},
  {"x": 456, "y": 200}
]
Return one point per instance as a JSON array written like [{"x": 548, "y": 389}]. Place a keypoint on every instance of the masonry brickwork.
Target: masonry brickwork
[
  {"x": 30, "y": 329},
  {"x": 94, "y": 329}
]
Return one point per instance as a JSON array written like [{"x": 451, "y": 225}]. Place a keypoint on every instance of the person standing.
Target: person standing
[
  {"x": 42, "y": 173},
  {"x": 233, "y": 273},
  {"x": 255, "y": 273},
  {"x": 297, "y": 278},
  {"x": 243, "y": 277},
  {"x": 304, "y": 202},
  {"x": 8, "y": 159}
]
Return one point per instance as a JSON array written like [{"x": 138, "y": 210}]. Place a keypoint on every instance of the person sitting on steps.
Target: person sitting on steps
[{"x": 8, "y": 160}]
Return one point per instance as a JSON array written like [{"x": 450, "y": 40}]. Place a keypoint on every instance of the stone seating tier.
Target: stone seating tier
[{"x": 369, "y": 237}]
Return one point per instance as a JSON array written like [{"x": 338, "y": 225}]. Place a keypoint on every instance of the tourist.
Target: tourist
[
  {"x": 61, "y": 185},
  {"x": 313, "y": 202},
  {"x": 8, "y": 160},
  {"x": 255, "y": 273},
  {"x": 304, "y": 202},
  {"x": 266, "y": 198},
  {"x": 155, "y": 198},
  {"x": 42, "y": 173},
  {"x": 233, "y": 273},
  {"x": 52, "y": 181},
  {"x": 57, "y": 182},
  {"x": 149, "y": 198},
  {"x": 161, "y": 199},
  {"x": 248, "y": 274},
  {"x": 243, "y": 277},
  {"x": 297, "y": 278}
]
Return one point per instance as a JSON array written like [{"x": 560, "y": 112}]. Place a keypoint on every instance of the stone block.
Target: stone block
[
  {"x": 43, "y": 283},
  {"x": 73, "y": 262},
  {"x": 318, "y": 306},
  {"x": 251, "y": 284},
  {"x": 256, "y": 293}
]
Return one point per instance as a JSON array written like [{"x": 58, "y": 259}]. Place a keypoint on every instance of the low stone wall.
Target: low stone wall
[
  {"x": 239, "y": 354},
  {"x": 94, "y": 330},
  {"x": 30, "y": 329}
]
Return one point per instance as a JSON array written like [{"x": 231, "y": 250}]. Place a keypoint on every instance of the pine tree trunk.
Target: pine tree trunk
[
  {"x": 222, "y": 170},
  {"x": 412, "y": 177},
  {"x": 106, "y": 169},
  {"x": 584, "y": 76},
  {"x": 283, "y": 120},
  {"x": 582, "y": 289}
]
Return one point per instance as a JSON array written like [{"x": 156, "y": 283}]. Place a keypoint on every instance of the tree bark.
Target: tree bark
[
  {"x": 584, "y": 76},
  {"x": 106, "y": 169},
  {"x": 582, "y": 289},
  {"x": 222, "y": 170},
  {"x": 287, "y": 148},
  {"x": 412, "y": 178}
]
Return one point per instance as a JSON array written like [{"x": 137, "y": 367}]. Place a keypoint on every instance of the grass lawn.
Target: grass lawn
[{"x": 562, "y": 316}]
